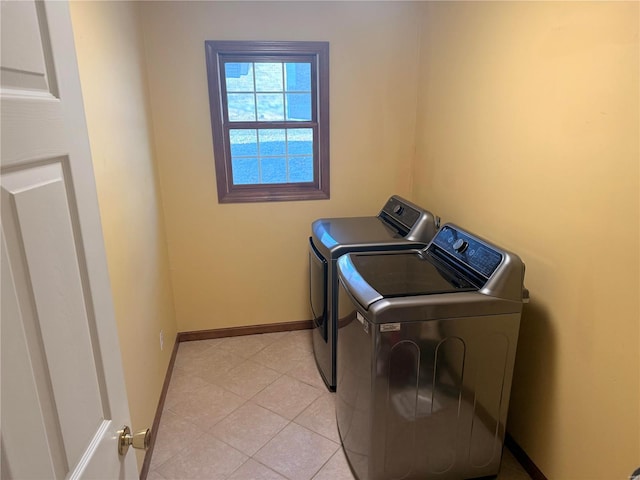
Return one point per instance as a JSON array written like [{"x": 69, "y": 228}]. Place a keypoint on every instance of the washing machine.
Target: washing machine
[
  {"x": 426, "y": 354},
  {"x": 399, "y": 225}
]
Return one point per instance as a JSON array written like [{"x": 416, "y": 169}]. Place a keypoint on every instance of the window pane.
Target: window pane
[
  {"x": 300, "y": 141},
  {"x": 273, "y": 142},
  {"x": 245, "y": 170},
  {"x": 239, "y": 77},
  {"x": 298, "y": 77},
  {"x": 269, "y": 114},
  {"x": 268, "y": 77},
  {"x": 301, "y": 169},
  {"x": 243, "y": 143},
  {"x": 241, "y": 107},
  {"x": 270, "y": 107},
  {"x": 274, "y": 170},
  {"x": 298, "y": 106}
]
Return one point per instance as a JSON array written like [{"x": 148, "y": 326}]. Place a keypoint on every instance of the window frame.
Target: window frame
[{"x": 220, "y": 52}]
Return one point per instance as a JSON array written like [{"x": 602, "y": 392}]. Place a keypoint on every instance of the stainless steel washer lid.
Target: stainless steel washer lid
[
  {"x": 455, "y": 268},
  {"x": 348, "y": 234},
  {"x": 399, "y": 225},
  {"x": 402, "y": 274},
  {"x": 395, "y": 276}
]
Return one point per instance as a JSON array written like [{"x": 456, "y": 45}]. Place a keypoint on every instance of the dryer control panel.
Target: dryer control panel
[
  {"x": 409, "y": 220},
  {"x": 400, "y": 213}
]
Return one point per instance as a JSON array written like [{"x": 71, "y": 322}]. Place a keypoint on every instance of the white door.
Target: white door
[{"x": 62, "y": 393}]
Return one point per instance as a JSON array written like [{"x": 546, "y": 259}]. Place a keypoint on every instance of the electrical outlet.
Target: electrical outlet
[{"x": 161, "y": 340}]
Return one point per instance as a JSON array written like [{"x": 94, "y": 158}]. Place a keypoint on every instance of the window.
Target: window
[{"x": 269, "y": 106}]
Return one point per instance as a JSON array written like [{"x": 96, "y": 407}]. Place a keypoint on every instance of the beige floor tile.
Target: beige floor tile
[
  {"x": 337, "y": 468},
  {"x": 195, "y": 348},
  {"x": 283, "y": 354},
  {"x": 248, "y": 345},
  {"x": 181, "y": 386},
  {"x": 287, "y": 396},
  {"x": 247, "y": 379},
  {"x": 153, "y": 475},
  {"x": 310, "y": 452},
  {"x": 301, "y": 339},
  {"x": 188, "y": 351},
  {"x": 252, "y": 470},
  {"x": 207, "y": 406},
  {"x": 306, "y": 371},
  {"x": 249, "y": 428},
  {"x": 174, "y": 435},
  {"x": 209, "y": 459},
  {"x": 320, "y": 417},
  {"x": 212, "y": 364}
]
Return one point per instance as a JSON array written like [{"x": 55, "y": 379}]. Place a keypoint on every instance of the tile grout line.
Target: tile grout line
[
  {"x": 188, "y": 374},
  {"x": 294, "y": 347}
]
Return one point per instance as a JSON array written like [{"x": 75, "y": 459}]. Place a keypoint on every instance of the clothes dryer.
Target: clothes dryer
[{"x": 400, "y": 225}]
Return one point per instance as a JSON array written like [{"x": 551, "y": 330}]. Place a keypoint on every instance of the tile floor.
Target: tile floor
[{"x": 254, "y": 408}]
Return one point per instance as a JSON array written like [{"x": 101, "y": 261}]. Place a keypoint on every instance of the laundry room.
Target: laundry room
[{"x": 517, "y": 121}]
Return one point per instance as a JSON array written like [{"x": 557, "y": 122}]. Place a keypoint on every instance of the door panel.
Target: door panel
[
  {"x": 32, "y": 419},
  {"x": 62, "y": 387},
  {"x": 44, "y": 248},
  {"x": 27, "y": 68}
]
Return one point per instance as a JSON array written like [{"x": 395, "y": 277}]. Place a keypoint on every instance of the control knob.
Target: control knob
[
  {"x": 460, "y": 245},
  {"x": 398, "y": 209}
]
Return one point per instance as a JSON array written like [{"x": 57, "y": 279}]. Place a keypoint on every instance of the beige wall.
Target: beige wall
[
  {"x": 109, "y": 46},
  {"x": 528, "y": 134},
  {"x": 517, "y": 120},
  {"x": 246, "y": 264}
]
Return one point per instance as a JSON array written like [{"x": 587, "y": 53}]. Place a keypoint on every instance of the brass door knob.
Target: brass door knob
[{"x": 139, "y": 439}]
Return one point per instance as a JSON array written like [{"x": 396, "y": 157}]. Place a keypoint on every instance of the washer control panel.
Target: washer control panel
[{"x": 468, "y": 250}]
